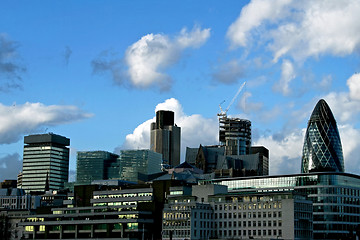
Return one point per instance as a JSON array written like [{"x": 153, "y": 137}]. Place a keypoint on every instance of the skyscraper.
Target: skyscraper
[
  {"x": 46, "y": 162},
  {"x": 322, "y": 149},
  {"x": 165, "y": 137},
  {"x": 95, "y": 165}
]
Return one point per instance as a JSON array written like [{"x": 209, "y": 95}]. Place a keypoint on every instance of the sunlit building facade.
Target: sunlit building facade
[
  {"x": 45, "y": 163},
  {"x": 322, "y": 149},
  {"x": 335, "y": 197}
]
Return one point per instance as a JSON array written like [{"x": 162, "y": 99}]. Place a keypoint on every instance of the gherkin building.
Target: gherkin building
[{"x": 322, "y": 149}]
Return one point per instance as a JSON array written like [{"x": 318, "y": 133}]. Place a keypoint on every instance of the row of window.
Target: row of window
[
  {"x": 276, "y": 214},
  {"x": 258, "y": 232},
  {"x": 273, "y": 223},
  {"x": 252, "y": 206}
]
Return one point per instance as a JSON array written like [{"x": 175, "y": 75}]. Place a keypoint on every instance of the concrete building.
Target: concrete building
[
  {"x": 45, "y": 162},
  {"x": 17, "y": 199},
  {"x": 210, "y": 212},
  {"x": 96, "y": 165},
  {"x": 112, "y": 212},
  {"x": 235, "y": 135},
  {"x": 165, "y": 137},
  {"x": 335, "y": 197}
]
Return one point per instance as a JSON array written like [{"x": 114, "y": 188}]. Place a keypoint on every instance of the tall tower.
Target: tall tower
[
  {"x": 165, "y": 137},
  {"x": 235, "y": 134},
  {"x": 45, "y": 163},
  {"x": 322, "y": 149}
]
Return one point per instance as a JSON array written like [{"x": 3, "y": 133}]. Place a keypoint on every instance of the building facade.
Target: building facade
[
  {"x": 210, "y": 212},
  {"x": 165, "y": 137},
  {"x": 335, "y": 197},
  {"x": 135, "y": 162},
  {"x": 322, "y": 149},
  {"x": 17, "y": 199},
  {"x": 45, "y": 162},
  {"x": 235, "y": 135},
  {"x": 96, "y": 165}
]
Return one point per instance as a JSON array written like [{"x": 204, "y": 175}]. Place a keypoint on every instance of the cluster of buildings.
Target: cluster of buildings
[{"x": 220, "y": 191}]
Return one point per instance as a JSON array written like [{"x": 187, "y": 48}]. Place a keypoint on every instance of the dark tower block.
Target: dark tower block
[{"x": 165, "y": 137}]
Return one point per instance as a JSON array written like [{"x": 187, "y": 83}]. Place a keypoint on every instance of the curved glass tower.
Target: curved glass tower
[{"x": 322, "y": 149}]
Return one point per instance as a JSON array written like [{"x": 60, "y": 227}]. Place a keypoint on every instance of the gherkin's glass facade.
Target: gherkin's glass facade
[{"x": 322, "y": 149}]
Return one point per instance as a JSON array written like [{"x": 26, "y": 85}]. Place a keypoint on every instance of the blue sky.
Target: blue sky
[{"x": 96, "y": 72}]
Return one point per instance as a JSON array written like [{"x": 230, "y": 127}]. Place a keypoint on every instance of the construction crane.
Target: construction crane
[{"x": 222, "y": 112}]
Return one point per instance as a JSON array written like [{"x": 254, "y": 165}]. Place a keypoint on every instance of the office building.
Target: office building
[
  {"x": 96, "y": 165},
  {"x": 110, "y": 212},
  {"x": 335, "y": 197},
  {"x": 165, "y": 137},
  {"x": 210, "y": 212},
  {"x": 235, "y": 135},
  {"x": 16, "y": 199},
  {"x": 322, "y": 149},
  {"x": 45, "y": 162},
  {"x": 135, "y": 162}
]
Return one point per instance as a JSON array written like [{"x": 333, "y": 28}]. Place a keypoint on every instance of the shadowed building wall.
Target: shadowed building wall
[{"x": 165, "y": 137}]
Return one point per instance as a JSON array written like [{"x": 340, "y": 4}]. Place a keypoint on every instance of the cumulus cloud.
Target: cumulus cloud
[
  {"x": 252, "y": 16},
  {"x": 10, "y": 68},
  {"x": 285, "y": 154},
  {"x": 299, "y": 29},
  {"x": 248, "y": 106},
  {"x": 354, "y": 86},
  {"x": 17, "y": 120},
  {"x": 148, "y": 58},
  {"x": 10, "y": 166},
  {"x": 195, "y": 129},
  {"x": 229, "y": 72},
  {"x": 287, "y": 75}
]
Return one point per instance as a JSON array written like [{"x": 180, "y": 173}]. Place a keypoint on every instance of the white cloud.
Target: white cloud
[
  {"x": 17, "y": 120},
  {"x": 285, "y": 155},
  {"x": 299, "y": 29},
  {"x": 252, "y": 16},
  {"x": 148, "y": 57},
  {"x": 287, "y": 75},
  {"x": 350, "y": 139},
  {"x": 195, "y": 129},
  {"x": 354, "y": 86},
  {"x": 247, "y": 106}
]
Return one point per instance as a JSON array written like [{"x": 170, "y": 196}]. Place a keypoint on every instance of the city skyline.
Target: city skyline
[{"x": 97, "y": 73}]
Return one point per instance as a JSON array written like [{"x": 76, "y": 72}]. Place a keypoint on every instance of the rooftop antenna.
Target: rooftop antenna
[{"x": 224, "y": 113}]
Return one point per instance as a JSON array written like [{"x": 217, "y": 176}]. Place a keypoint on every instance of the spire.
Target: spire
[{"x": 47, "y": 185}]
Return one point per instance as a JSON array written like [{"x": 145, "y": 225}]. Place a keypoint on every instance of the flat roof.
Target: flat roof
[{"x": 47, "y": 138}]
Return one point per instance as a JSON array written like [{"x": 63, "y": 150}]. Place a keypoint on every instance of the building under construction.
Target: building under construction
[{"x": 235, "y": 135}]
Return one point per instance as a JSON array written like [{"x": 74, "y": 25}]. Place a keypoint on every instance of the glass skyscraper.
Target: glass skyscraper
[
  {"x": 322, "y": 149},
  {"x": 96, "y": 165},
  {"x": 45, "y": 163},
  {"x": 133, "y": 162}
]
